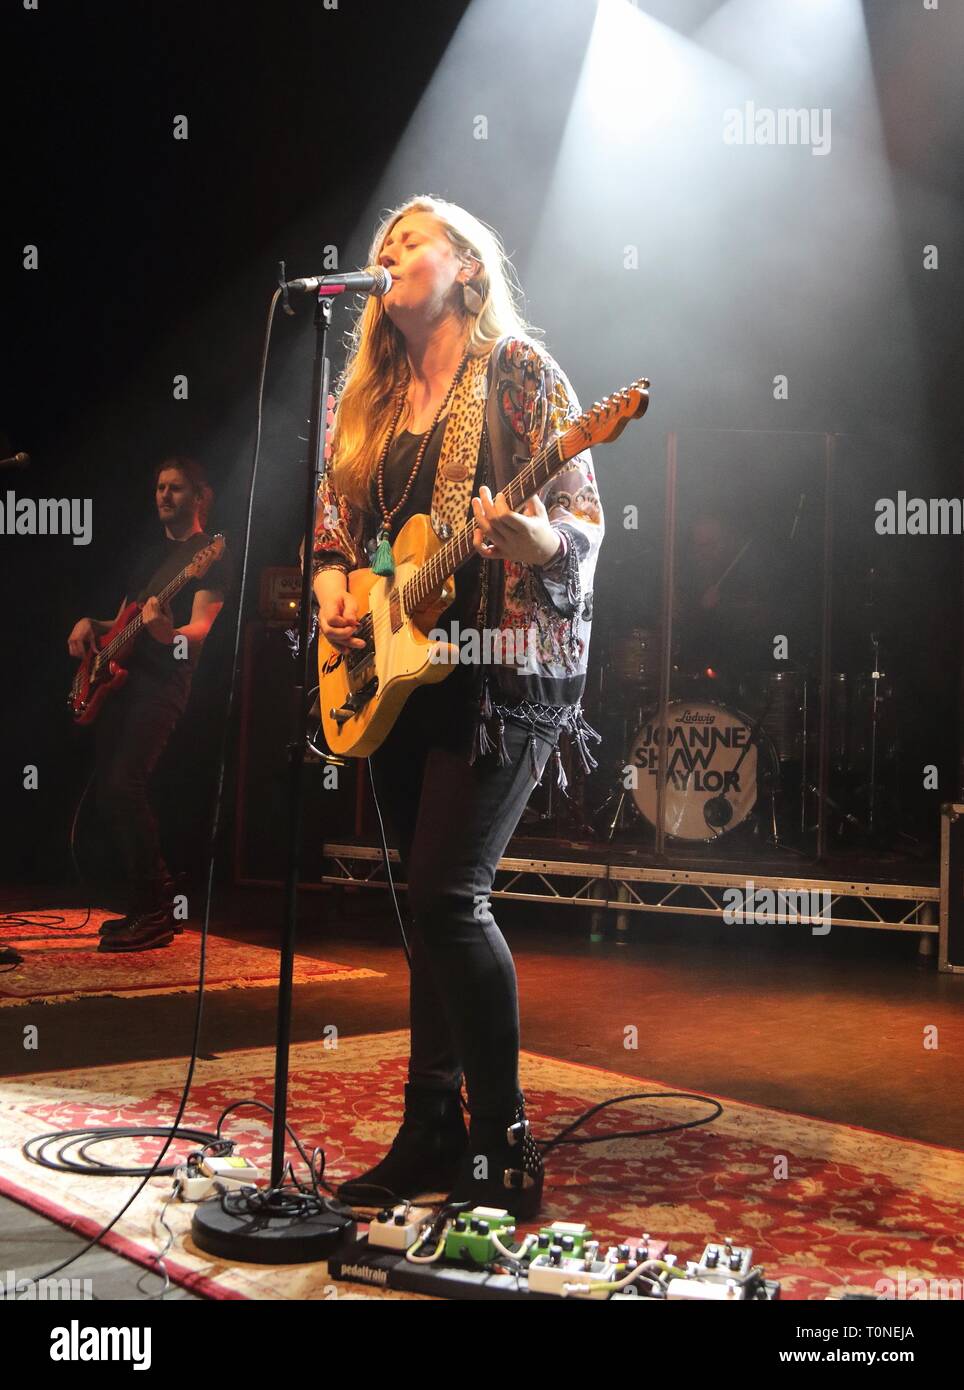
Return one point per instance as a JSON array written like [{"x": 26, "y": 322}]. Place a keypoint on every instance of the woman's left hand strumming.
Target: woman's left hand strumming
[{"x": 502, "y": 534}]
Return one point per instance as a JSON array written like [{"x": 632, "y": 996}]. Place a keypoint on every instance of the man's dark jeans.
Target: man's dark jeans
[
  {"x": 131, "y": 733},
  {"x": 452, "y": 822}
]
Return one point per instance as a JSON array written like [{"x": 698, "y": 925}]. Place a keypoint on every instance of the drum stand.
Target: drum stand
[
  {"x": 618, "y": 817},
  {"x": 875, "y": 700},
  {"x": 564, "y": 808},
  {"x": 618, "y": 794},
  {"x": 721, "y": 813}
]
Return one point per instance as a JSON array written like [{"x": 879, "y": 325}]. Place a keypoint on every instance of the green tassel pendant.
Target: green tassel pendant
[{"x": 384, "y": 561}]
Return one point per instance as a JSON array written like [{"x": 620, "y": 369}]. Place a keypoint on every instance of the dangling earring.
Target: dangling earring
[{"x": 473, "y": 300}]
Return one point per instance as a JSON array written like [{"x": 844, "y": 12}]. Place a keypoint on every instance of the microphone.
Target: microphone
[
  {"x": 15, "y": 461},
  {"x": 375, "y": 280}
]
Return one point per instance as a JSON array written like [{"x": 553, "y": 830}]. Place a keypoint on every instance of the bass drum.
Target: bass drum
[{"x": 711, "y": 769}]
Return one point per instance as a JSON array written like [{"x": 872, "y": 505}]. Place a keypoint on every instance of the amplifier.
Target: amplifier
[
  {"x": 279, "y": 596},
  {"x": 950, "y": 956}
]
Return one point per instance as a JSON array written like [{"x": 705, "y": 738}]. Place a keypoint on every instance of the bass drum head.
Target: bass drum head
[{"x": 706, "y": 793}]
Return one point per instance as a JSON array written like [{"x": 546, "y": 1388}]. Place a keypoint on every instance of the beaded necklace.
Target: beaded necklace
[{"x": 384, "y": 561}]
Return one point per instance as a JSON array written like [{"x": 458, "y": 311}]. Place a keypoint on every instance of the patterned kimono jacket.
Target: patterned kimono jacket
[{"x": 542, "y": 679}]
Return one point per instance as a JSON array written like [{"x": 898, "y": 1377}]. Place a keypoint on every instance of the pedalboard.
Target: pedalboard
[{"x": 479, "y": 1254}]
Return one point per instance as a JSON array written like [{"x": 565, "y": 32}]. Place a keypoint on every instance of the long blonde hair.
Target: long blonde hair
[{"x": 377, "y": 369}]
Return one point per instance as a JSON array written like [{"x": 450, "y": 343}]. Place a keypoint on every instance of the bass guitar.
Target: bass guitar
[
  {"x": 101, "y": 670},
  {"x": 362, "y": 689}
]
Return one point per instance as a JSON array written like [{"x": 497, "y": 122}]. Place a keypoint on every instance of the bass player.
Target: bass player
[{"x": 136, "y": 722}]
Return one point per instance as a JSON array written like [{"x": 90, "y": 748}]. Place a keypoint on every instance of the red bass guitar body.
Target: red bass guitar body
[{"x": 97, "y": 678}]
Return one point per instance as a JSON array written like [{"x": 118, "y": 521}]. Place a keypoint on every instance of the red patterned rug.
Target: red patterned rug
[
  {"x": 61, "y": 964},
  {"x": 854, "y": 1206}
]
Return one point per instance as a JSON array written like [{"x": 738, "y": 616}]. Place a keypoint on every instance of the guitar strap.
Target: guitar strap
[
  {"x": 455, "y": 475},
  {"x": 462, "y": 463},
  {"x": 170, "y": 566}
]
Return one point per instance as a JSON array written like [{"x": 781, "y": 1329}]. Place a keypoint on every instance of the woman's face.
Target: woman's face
[{"x": 424, "y": 267}]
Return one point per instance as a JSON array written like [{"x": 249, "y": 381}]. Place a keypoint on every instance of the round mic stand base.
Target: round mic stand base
[{"x": 271, "y": 1227}]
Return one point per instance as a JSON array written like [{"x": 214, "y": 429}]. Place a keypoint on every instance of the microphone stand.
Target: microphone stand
[{"x": 278, "y": 1224}]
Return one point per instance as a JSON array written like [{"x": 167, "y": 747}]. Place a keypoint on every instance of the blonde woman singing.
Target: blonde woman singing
[{"x": 443, "y": 372}]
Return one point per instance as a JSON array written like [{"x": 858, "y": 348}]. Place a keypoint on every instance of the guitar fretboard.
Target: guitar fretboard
[
  {"x": 130, "y": 631},
  {"x": 428, "y": 580}
]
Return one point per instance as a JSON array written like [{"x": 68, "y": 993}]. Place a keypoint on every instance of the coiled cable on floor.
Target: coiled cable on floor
[
  {"x": 82, "y": 1140},
  {"x": 546, "y": 1145}
]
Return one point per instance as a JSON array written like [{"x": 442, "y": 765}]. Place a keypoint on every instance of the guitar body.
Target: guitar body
[
  {"x": 362, "y": 690},
  {"x": 400, "y": 656},
  {"x": 94, "y": 681}
]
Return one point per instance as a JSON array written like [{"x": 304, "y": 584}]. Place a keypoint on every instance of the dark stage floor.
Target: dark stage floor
[{"x": 829, "y": 1026}]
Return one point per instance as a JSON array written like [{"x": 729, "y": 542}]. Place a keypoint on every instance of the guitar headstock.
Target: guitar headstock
[
  {"x": 204, "y": 558},
  {"x": 606, "y": 419}
]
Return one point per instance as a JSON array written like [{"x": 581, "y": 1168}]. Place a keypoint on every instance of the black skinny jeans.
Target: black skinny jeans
[
  {"x": 132, "y": 730},
  {"x": 452, "y": 822}
]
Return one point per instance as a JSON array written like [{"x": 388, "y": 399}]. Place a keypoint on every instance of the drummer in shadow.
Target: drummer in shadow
[{"x": 725, "y": 604}]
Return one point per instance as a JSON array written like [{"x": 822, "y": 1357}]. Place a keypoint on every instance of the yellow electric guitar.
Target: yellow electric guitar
[{"x": 362, "y": 690}]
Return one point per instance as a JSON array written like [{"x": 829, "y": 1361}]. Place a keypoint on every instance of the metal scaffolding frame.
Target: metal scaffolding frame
[{"x": 625, "y": 888}]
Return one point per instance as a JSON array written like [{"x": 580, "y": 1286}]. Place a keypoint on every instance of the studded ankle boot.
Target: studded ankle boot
[
  {"x": 424, "y": 1155},
  {"x": 502, "y": 1166}
]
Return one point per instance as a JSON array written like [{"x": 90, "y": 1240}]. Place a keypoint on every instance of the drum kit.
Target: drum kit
[{"x": 742, "y": 749}]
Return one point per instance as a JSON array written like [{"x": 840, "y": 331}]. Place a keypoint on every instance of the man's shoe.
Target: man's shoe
[
  {"x": 163, "y": 898},
  {"x": 113, "y": 924},
  {"x": 146, "y": 932},
  {"x": 502, "y": 1166},
  {"x": 424, "y": 1156}
]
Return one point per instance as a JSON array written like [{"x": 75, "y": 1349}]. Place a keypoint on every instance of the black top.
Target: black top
[
  {"x": 157, "y": 566},
  {"x": 398, "y": 466}
]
